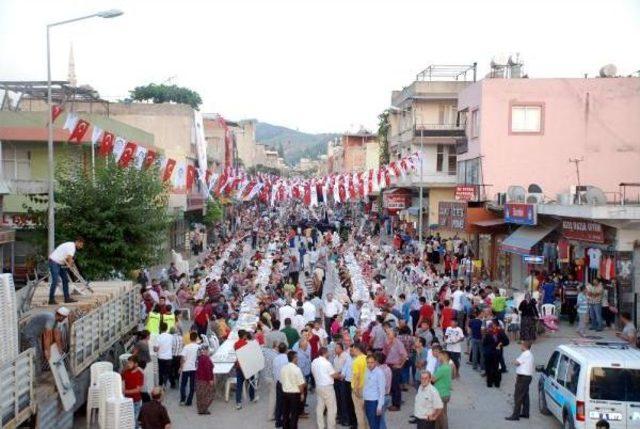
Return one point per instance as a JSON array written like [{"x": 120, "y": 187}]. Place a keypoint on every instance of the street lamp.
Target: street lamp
[{"x": 111, "y": 13}]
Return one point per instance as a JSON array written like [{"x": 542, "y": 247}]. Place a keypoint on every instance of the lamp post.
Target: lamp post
[{"x": 112, "y": 13}]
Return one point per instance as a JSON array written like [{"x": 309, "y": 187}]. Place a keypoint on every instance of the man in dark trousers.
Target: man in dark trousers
[{"x": 524, "y": 373}]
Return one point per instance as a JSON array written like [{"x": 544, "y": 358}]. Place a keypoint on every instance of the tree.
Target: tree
[
  {"x": 122, "y": 216},
  {"x": 383, "y": 137},
  {"x": 214, "y": 212},
  {"x": 166, "y": 93}
]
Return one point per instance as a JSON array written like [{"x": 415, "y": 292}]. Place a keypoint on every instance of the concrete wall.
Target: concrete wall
[
  {"x": 435, "y": 196},
  {"x": 594, "y": 119},
  {"x": 246, "y": 142},
  {"x": 372, "y": 155}
]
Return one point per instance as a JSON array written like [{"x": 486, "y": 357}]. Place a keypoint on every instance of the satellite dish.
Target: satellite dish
[
  {"x": 595, "y": 197},
  {"x": 516, "y": 194},
  {"x": 608, "y": 70},
  {"x": 533, "y": 188}
]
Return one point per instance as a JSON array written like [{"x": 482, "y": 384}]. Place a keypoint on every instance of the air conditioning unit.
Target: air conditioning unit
[
  {"x": 535, "y": 198},
  {"x": 565, "y": 199}
]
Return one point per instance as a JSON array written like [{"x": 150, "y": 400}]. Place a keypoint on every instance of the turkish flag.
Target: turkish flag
[
  {"x": 79, "y": 131},
  {"x": 168, "y": 169},
  {"x": 106, "y": 144},
  {"x": 191, "y": 175},
  {"x": 55, "y": 112},
  {"x": 127, "y": 154},
  {"x": 307, "y": 195},
  {"x": 148, "y": 159}
]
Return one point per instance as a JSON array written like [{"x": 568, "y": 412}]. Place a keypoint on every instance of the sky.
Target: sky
[{"x": 312, "y": 65}]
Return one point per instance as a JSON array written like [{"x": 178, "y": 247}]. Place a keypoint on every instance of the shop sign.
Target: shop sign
[
  {"x": 521, "y": 214},
  {"x": 583, "y": 230},
  {"x": 17, "y": 220},
  {"x": 466, "y": 193},
  {"x": 533, "y": 259},
  {"x": 395, "y": 202},
  {"x": 452, "y": 215}
]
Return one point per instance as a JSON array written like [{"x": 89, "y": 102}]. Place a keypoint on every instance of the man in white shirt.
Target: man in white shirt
[
  {"x": 309, "y": 311},
  {"x": 188, "y": 369},
  {"x": 60, "y": 260},
  {"x": 457, "y": 299},
  {"x": 164, "y": 349},
  {"x": 453, "y": 338},
  {"x": 324, "y": 374},
  {"x": 278, "y": 363},
  {"x": 428, "y": 404},
  {"x": 293, "y": 387},
  {"x": 331, "y": 307},
  {"x": 524, "y": 373},
  {"x": 286, "y": 312},
  {"x": 320, "y": 332}
]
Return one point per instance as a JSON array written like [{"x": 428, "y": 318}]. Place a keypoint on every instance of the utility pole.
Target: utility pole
[{"x": 577, "y": 162}]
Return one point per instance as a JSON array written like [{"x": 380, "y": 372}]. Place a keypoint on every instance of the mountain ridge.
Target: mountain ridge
[{"x": 294, "y": 144}]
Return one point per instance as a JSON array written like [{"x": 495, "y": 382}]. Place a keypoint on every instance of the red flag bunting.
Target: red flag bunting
[
  {"x": 149, "y": 158},
  {"x": 127, "y": 154},
  {"x": 191, "y": 174},
  {"x": 79, "y": 131},
  {"x": 168, "y": 169},
  {"x": 55, "y": 112},
  {"x": 106, "y": 144}
]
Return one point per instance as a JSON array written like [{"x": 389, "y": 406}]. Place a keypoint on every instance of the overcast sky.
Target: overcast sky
[{"x": 321, "y": 65}]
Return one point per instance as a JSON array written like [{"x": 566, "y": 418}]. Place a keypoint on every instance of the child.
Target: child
[
  {"x": 513, "y": 324},
  {"x": 582, "y": 308}
]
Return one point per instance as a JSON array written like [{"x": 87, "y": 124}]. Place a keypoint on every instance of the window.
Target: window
[
  {"x": 440, "y": 158},
  {"x": 469, "y": 172},
  {"x": 573, "y": 374},
  {"x": 475, "y": 123},
  {"x": 553, "y": 364},
  {"x": 615, "y": 384},
  {"x": 16, "y": 163},
  {"x": 452, "y": 160},
  {"x": 526, "y": 119},
  {"x": 563, "y": 366}
]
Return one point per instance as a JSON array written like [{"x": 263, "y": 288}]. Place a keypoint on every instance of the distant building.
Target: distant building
[{"x": 354, "y": 155}]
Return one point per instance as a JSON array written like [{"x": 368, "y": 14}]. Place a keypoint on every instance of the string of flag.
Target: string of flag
[{"x": 235, "y": 182}]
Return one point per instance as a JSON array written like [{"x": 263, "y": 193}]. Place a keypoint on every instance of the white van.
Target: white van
[{"x": 586, "y": 382}]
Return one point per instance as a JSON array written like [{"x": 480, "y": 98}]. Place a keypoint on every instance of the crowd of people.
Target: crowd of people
[{"x": 340, "y": 315}]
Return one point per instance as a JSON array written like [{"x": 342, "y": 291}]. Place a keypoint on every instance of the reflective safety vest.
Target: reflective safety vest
[
  {"x": 170, "y": 320},
  {"x": 153, "y": 323}
]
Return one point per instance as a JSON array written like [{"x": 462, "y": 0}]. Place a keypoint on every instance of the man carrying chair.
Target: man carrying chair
[{"x": 60, "y": 262}]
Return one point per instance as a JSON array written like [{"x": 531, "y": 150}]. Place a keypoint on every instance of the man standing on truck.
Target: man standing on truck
[
  {"x": 43, "y": 330},
  {"x": 60, "y": 260}
]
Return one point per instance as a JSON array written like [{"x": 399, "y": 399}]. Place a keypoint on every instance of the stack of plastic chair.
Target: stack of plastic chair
[
  {"x": 8, "y": 320},
  {"x": 120, "y": 414},
  {"x": 151, "y": 374},
  {"x": 110, "y": 387},
  {"x": 93, "y": 396}
]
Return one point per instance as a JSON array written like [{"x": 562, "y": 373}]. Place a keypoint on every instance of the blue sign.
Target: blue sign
[
  {"x": 533, "y": 259},
  {"x": 521, "y": 214}
]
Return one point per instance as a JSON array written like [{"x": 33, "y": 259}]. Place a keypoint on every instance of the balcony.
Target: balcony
[
  {"x": 439, "y": 130},
  {"x": 27, "y": 187}
]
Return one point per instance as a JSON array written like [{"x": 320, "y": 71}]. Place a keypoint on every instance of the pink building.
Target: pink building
[{"x": 524, "y": 131}]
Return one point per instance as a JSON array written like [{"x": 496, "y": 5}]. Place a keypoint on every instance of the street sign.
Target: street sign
[{"x": 466, "y": 193}]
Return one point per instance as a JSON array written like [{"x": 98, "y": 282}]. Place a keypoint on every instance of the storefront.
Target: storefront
[
  {"x": 478, "y": 226},
  {"x": 395, "y": 201}
]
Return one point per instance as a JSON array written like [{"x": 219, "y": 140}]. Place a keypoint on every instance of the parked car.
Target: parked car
[{"x": 586, "y": 382}]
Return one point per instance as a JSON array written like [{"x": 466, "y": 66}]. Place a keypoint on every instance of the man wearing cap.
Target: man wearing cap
[
  {"x": 43, "y": 330},
  {"x": 60, "y": 260}
]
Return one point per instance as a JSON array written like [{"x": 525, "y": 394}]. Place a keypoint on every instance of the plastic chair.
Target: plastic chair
[
  {"x": 120, "y": 414},
  {"x": 123, "y": 358},
  {"x": 548, "y": 310},
  {"x": 110, "y": 387},
  {"x": 93, "y": 395}
]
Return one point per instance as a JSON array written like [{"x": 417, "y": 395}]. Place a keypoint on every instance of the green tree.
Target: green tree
[
  {"x": 214, "y": 212},
  {"x": 166, "y": 93},
  {"x": 383, "y": 137},
  {"x": 122, "y": 216}
]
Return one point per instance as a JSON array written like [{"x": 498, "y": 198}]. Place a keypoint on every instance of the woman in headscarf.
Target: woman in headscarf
[
  {"x": 528, "y": 316},
  {"x": 205, "y": 381}
]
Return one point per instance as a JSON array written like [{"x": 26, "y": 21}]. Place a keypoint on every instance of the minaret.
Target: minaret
[{"x": 72, "y": 69}]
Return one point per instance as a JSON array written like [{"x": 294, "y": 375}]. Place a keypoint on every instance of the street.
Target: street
[{"x": 472, "y": 403}]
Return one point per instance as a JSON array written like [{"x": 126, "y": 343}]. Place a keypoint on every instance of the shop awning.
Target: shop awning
[
  {"x": 525, "y": 237},
  {"x": 489, "y": 222}
]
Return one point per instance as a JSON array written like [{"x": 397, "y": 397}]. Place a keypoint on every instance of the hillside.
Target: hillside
[{"x": 295, "y": 144}]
